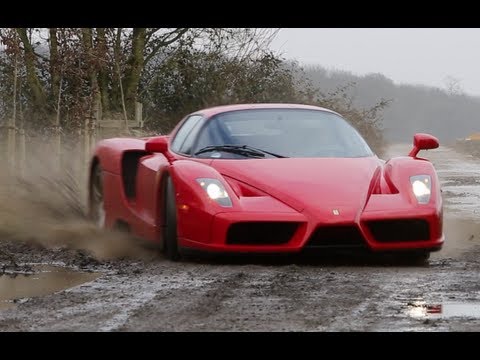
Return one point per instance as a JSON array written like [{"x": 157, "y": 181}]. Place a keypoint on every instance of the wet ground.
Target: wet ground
[
  {"x": 148, "y": 293},
  {"x": 39, "y": 281}
]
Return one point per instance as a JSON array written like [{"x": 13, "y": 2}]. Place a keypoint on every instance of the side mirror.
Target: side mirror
[
  {"x": 157, "y": 144},
  {"x": 423, "y": 142}
]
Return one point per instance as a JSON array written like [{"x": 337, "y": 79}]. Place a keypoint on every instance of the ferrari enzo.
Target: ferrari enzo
[{"x": 267, "y": 178}]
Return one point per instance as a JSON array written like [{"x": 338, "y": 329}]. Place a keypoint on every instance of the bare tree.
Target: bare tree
[{"x": 453, "y": 85}]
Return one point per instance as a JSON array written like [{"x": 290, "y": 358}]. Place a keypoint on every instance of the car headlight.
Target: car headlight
[
  {"x": 422, "y": 187},
  {"x": 215, "y": 191}
]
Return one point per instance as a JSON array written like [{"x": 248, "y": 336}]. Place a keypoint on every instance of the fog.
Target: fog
[
  {"x": 430, "y": 75},
  {"x": 407, "y": 56}
]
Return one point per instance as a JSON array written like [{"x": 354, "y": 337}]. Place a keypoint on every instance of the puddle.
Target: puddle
[
  {"x": 420, "y": 309},
  {"x": 44, "y": 281}
]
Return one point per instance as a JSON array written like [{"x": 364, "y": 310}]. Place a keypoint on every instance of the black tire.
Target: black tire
[
  {"x": 170, "y": 236},
  {"x": 419, "y": 258},
  {"x": 96, "y": 199}
]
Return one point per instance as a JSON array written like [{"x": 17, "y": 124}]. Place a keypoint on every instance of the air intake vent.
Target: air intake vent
[
  {"x": 261, "y": 233},
  {"x": 336, "y": 237},
  {"x": 400, "y": 230}
]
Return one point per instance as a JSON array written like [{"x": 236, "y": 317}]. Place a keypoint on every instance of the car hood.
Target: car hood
[{"x": 315, "y": 184}]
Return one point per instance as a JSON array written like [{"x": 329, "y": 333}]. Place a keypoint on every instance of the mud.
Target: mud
[{"x": 138, "y": 290}]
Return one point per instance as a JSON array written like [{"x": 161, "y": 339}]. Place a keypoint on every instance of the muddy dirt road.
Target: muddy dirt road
[{"x": 153, "y": 294}]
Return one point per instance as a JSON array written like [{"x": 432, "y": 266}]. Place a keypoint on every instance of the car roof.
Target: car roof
[{"x": 208, "y": 112}]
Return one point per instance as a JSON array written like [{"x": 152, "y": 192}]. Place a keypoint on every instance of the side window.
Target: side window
[{"x": 186, "y": 134}]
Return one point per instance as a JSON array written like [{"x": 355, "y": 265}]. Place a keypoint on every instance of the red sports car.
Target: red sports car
[{"x": 267, "y": 178}]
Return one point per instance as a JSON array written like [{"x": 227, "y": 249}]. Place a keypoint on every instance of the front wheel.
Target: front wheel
[
  {"x": 170, "y": 236},
  {"x": 415, "y": 258},
  {"x": 421, "y": 258}
]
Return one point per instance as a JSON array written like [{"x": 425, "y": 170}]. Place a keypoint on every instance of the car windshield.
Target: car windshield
[{"x": 281, "y": 132}]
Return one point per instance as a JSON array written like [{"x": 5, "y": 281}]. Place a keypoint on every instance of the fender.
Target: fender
[
  {"x": 196, "y": 210},
  {"x": 398, "y": 170},
  {"x": 188, "y": 192},
  {"x": 109, "y": 152}
]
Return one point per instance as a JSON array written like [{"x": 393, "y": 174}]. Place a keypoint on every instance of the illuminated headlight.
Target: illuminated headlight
[
  {"x": 215, "y": 191},
  {"x": 421, "y": 186}
]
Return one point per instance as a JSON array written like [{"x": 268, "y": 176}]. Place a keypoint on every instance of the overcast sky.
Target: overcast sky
[{"x": 413, "y": 56}]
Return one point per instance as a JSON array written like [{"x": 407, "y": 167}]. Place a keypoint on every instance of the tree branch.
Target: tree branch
[{"x": 162, "y": 43}]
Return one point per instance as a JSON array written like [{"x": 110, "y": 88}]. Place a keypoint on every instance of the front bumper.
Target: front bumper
[{"x": 308, "y": 226}]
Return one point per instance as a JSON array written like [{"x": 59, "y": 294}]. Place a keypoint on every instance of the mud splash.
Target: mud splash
[
  {"x": 46, "y": 207},
  {"x": 30, "y": 220},
  {"x": 45, "y": 280},
  {"x": 460, "y": 235}
]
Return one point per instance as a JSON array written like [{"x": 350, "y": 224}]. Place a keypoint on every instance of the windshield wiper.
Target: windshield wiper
[
  {"x": 232, "y": 149},
  {"x": 245, "y": 150},
  {"x": 263, "y": 151}
]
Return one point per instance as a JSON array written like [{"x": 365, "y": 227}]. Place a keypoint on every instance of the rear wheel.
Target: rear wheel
[
  {"x": 97, "y": 205},
  {"x": 170, "y": 233}
]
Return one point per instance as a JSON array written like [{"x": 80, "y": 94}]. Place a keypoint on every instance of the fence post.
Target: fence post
[
  {"x": 57, "y": 143},
  {"x": 22, "y": 153},
  {"x": 11, "y": 145},
  {"x": 139, "y": 114},
  {"x": 86, "y": 144}
]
